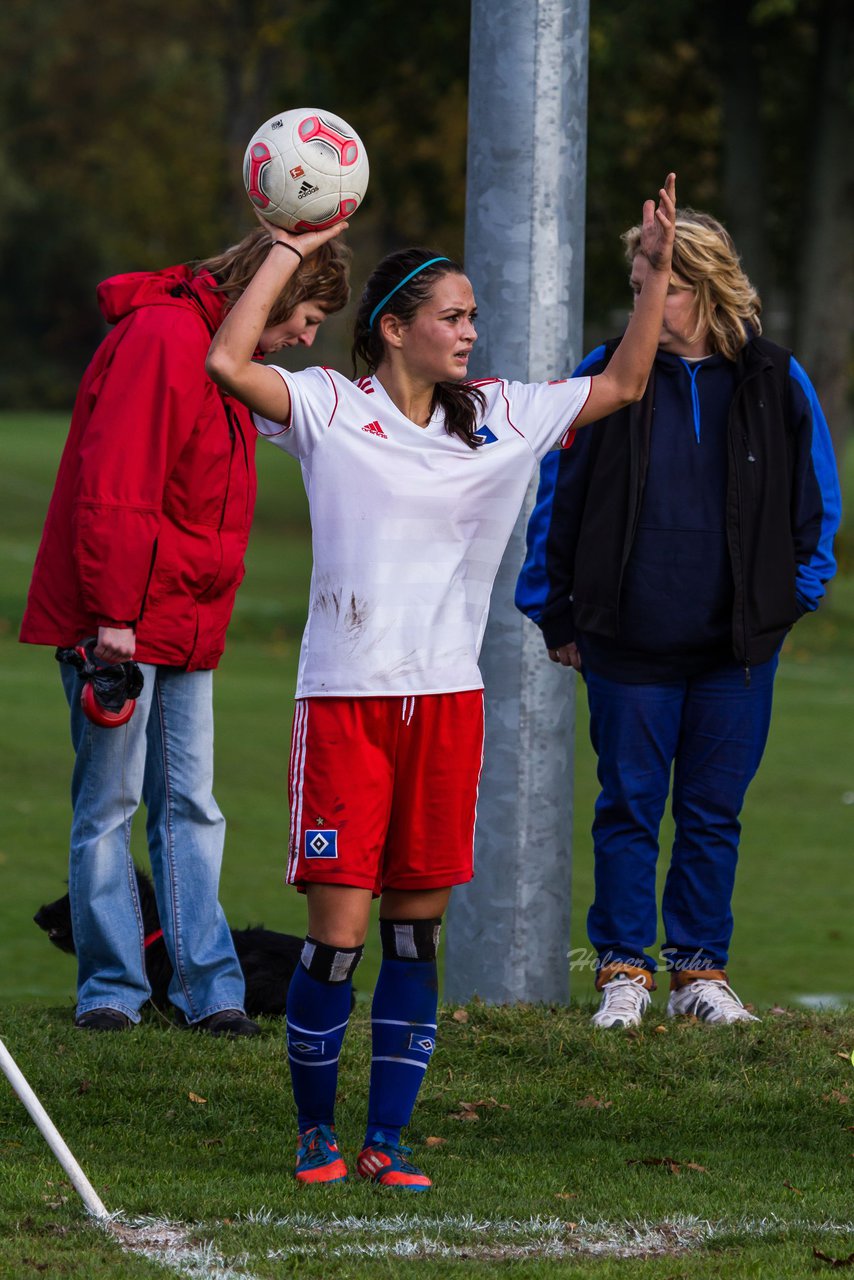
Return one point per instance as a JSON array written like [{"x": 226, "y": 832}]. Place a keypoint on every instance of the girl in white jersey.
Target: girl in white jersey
[{"x": 415, "y": 479}]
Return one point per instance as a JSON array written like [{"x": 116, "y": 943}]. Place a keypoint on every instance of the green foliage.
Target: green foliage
[
  {"x": 666, "y": 115},
  {"x": 124, "y": 129},
  {"x": 123, "y": 137}
]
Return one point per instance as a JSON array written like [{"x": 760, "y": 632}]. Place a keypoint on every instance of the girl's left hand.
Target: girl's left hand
[{"x": 658, "y": 230}]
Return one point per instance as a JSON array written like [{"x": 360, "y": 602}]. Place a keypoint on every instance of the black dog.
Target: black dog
[{"x": 267, "y": 959}]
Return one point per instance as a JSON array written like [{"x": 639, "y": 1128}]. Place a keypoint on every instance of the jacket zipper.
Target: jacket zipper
[
  {"x": 236, "y": 428},
  {"x": 225, "y": 496},
  {"x": 739, "y": 492},
  {"x": 148, "y": 580},
  {"x": 228, "y": 475}
]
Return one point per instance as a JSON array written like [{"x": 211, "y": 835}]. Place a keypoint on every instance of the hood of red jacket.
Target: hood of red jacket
[{"x": 173, "y": 286}]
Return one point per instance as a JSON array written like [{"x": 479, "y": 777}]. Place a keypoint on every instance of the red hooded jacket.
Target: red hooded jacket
[{"x": 150, "y": 515}]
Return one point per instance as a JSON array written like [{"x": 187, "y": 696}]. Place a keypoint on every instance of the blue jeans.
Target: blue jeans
[
  {"x": 164, "y": 756},
  {"x": 711, "y": 730}
]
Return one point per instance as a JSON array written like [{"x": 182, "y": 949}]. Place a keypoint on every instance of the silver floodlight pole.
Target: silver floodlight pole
[{"x": 508, "y": 931}]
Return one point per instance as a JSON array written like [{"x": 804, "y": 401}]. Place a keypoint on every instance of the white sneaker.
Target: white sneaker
[
  {"x": 624, "y": 1002},
  {"x": 710, "y": 1000}
]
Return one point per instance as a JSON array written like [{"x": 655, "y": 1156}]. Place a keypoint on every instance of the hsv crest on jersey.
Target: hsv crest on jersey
[
  {"x": 321, "y": 844},
  {"x": 374, "y": 429},
  {"x": 485, "y": 436}
]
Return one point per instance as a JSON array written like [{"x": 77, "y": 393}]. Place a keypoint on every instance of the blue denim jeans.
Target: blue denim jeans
[
  {"x": 711, "y": 731},
  {"x": 164, "y": 756}
]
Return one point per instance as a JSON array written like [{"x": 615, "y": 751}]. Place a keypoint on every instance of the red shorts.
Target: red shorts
[{"x": 383, "y": 791}]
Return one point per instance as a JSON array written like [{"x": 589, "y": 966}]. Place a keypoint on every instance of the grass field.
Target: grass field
[{"x": 681, "y": 1151}]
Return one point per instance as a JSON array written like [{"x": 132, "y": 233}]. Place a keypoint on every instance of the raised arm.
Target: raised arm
[
  {"x": 230, "y": 359},
  {"x": 625, "y": 378}
]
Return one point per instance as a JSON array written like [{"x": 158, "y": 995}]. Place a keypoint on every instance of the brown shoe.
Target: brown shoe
[
  {"x": 227, "y": 1022},
  {"x": 103, "y": 1020}
]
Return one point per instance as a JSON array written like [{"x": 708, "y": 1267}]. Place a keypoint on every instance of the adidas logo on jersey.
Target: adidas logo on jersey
[{"x": 374, "y": 429}]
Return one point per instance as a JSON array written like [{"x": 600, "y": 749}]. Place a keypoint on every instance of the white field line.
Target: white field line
[
  {"x": 176, "y": 1246},
  {"x": 407, "y": 1236},
  {"x": 181, "y": 1247}
]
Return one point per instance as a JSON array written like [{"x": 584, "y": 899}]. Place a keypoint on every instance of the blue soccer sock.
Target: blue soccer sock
[
  {"x": 318, "y": 1011},
  {"x": 403, "y": 1031}
]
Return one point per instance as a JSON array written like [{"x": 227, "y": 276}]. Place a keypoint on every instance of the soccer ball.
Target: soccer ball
[{"x": 306, "y": 169}]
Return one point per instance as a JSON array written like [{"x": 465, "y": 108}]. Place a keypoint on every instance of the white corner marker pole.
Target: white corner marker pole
[{"x": 51, "y": 1135}]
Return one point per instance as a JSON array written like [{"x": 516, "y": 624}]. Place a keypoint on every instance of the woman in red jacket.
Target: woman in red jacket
[{"x": 143, "y": 550}]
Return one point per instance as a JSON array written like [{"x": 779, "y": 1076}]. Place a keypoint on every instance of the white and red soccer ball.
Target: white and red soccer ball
[{"x": 305, "y": 169}]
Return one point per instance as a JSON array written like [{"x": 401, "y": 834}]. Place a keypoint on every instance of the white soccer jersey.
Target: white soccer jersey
[{"x": 409, "y": 525}]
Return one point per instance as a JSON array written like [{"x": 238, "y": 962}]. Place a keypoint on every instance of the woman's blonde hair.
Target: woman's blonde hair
[
  {"x": 705, "y": 257},
  {"x": 323, "y": 278}
]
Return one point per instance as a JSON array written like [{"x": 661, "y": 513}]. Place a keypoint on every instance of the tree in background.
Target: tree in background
[
  {"x": 752, "y": 101},
  {"x": 124, "y": 127}
]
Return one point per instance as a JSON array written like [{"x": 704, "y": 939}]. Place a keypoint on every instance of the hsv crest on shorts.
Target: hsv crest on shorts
[{"x": 321, "y": 844}]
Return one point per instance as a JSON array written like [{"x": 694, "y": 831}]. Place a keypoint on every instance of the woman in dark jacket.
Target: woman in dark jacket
[
  {"x": 669, "y": 553},
  {"x": 142, "y": 551}
]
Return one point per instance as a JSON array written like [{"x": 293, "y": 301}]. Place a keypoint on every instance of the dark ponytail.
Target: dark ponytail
[{"x": 460, "y": 403}]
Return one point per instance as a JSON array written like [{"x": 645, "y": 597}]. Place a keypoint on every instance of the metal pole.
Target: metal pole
[
  {"x": 508, "y": 931},
  {"x": 51, "y": 1135}
]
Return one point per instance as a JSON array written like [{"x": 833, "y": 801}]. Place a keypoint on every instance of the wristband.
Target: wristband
[{"x": 285, "y": 245}]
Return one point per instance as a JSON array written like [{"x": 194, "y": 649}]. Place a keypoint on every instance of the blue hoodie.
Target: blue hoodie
[{"x": 676, "y": 592}]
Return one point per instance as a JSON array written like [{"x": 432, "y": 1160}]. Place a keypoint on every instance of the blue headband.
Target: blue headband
[{"x": 404, "y": 281}]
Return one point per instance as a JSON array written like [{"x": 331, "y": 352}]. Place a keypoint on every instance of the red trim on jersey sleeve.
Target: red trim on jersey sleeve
[
  {"x": 328, "y": 373},
  {"x": 503, "y": 384},
  {"x": 286, "y": 426},
  {"x": 569, "y": 435},
  {"x": 269, "y": 435},
  {"x": 566, "y": 439}
]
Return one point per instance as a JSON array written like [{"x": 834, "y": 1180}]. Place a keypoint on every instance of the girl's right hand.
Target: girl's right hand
[{"x": 305, "y": 242}]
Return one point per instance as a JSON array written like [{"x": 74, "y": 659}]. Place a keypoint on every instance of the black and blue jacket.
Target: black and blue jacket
[{"x": 693, "y": 527}]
